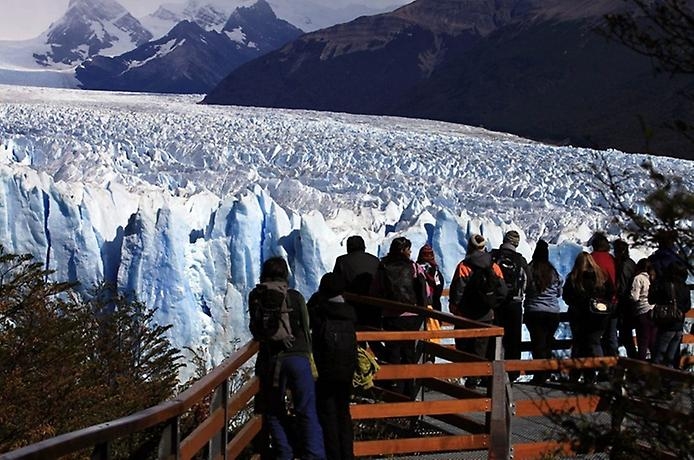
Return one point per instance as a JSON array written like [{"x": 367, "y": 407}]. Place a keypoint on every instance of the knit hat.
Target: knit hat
[
  {"x": 477, "y": 242},
  {"x": 541, "y": 251},
  {"x": 512, "y": 237},
  {"x": 426, "y": 254}
]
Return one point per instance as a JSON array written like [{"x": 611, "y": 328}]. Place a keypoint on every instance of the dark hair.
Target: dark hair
[
  {"x": 677, "y": 272},
  {"x": 541, "y": 251},
  {"x": 275, "y": 268},
  {"x": 355, "y": 243},
  {"x": 621, "y": 249},
  {"x": 644, "y": 265},
  {"x": 666, "y": 238},
  {"x": 542, "y": 270},
  {"x": 599, "y": 242},
  {"x": 331, "y": 285},
  {"x": 398, "y": 245}
]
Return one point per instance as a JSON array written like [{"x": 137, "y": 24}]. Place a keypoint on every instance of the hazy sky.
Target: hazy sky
[{"x": 20, "y": 19}]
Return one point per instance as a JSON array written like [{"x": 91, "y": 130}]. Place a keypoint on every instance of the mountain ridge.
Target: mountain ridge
[
  {"x": 189, "y": 58},
  {"x": 417, "y": 61}
]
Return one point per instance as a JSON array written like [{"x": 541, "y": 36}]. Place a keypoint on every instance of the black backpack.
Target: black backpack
[
  {"x": 512, "y": 269},
  {"x": 481, "y": 292},
  {"x": 398, "y": 279},
  {"x": 269, "y": 311},
  {"x": 335, "y": 349}
]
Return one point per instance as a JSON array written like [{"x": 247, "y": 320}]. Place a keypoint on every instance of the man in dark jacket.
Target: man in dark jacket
[
  {"x": 356, "y": 270},
  {"x": 509, "y": 315},
  {"x": 335, "y": 352}
]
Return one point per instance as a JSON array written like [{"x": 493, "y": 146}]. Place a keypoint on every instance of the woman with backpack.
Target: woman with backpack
[
  {"x": 399, "y": 279},
  {"x": 542, "y": 305},
  {"x": 333, "y": 329},
  {"x": 279, "y": 321},
  {"x": 588, "y": 292}
]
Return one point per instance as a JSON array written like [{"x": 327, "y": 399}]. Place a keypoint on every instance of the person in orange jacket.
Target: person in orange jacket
[{"x": 476, "y": 290}]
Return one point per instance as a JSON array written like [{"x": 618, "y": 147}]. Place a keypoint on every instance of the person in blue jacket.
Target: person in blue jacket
[{"x": 542, "y": 305}]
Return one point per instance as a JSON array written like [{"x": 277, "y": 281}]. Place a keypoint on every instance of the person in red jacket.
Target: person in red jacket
[{"x": 605, "y": 260}]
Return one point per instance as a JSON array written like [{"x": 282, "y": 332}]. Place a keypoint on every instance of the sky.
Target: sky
[{"x": 23, "y": 19}]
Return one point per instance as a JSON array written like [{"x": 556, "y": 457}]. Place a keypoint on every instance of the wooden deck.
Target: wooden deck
[{"x": 447, "y": 420}]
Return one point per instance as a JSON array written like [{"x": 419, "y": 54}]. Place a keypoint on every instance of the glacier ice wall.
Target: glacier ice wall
[{"x": 181, "y": 203}]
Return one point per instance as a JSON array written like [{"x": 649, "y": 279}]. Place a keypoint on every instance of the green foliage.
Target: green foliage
[{"x": 67, "y": 363}]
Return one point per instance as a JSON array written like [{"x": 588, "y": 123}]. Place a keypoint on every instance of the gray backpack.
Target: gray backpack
[{"x": 269, "y": 313}]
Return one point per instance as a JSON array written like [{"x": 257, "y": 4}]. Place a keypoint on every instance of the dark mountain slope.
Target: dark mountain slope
[
  {"x": 533, "y": 68},
  {"x": 190, "y": 59}
]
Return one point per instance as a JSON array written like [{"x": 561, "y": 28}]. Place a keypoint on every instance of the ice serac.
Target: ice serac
[{"x": 180, "y": 203}]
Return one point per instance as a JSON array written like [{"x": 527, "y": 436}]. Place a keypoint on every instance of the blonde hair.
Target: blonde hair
[{"x": 585, "y": 263}]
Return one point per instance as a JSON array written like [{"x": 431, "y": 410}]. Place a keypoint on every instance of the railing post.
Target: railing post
[
  {"x": 218, "y": 444},
  {"x": 500, "y": 419},
  {"x": 170, "y": 442},
  {"x": 619, "y": 402}
]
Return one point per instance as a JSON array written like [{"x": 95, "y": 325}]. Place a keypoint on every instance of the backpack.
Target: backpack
[
  {"x": 335, "y": 349},
  {"x": 512, "y": 269},
  {"x": 269, "y": 313},
  {"x": 481, "y": 290},
  {"x": 399, "y": 282}
]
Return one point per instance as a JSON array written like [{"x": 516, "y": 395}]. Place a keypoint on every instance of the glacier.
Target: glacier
[{"x": 180, "y": 203}]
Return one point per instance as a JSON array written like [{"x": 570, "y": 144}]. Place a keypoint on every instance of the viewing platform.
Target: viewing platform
[{"x": 445, "y": 421}]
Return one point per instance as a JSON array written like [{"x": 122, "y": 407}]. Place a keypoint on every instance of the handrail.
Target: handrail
[
  {"x": 165, "y": 412},
  {"x": 441, "y": 377}
]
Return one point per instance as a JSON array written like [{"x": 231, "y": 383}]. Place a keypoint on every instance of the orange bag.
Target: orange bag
[{"x": 433, "y": 324}]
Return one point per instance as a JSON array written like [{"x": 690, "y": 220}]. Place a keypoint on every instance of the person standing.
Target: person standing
[
  {"x": 645, "y": 328},
  {"x": 670, "y": 288},
  {"x": 356, "y": 270},
  {"x": 426, "y": 260},
  {"x": 509, "y": 314},
  {"x": 625, "y": 271},
  {"x": 434, "y": 279},
  {"x": 283, "y": 363},
  {"x": 398, "y": 278},
  {"x": 601, "y": 255},
  {"x": 476, "y": 290},
  {"x": 335, "y": 352},
  {"x": 542, "y": 305},
  {"x": 585, "y": 284}
]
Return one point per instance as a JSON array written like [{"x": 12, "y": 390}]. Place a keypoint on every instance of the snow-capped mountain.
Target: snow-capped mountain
[
  {"x": 181, "y": 202},
  {"x": 88, "y": 28},
  {"x": 190, "y": 59},
  {"x": 104, "y": 28},
  {"x": 91, "y": 27},
  {"x": 307, "y": 15}
]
